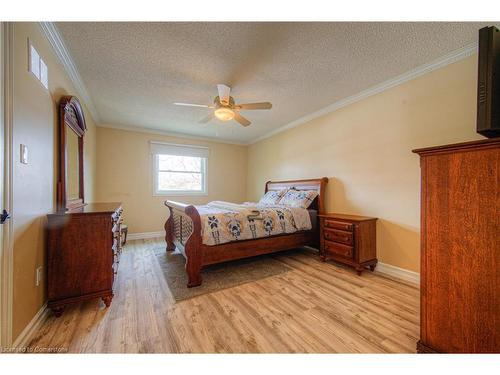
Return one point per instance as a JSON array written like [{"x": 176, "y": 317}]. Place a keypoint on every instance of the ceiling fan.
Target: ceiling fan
[{"x": 225, "y": 107}]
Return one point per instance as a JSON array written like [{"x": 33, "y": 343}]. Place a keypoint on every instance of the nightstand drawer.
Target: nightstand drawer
[
  {"x": 338, "y": 249},
  {"x": 349, "y": 239},
  {"x": 338, "y": 236},
  {"x": 338, "y": 225}
]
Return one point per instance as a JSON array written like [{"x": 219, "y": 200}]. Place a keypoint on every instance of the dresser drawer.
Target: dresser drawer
[
  {"x": 82, "y": 269},
  {"x": 338, "y": 236},
  {"x": 338, "y": 225},
  {"x": 338, "y": 249}
]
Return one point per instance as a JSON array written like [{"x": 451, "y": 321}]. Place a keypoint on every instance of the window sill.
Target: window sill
[{"x": 180, "y": 193}]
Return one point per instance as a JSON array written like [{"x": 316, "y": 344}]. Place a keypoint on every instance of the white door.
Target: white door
[
  {"x": 5, "y": 201},
  {"x": 2, "y": 148}
]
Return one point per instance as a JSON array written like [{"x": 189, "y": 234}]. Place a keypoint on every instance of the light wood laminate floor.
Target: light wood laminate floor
[{"x": 317, "y": 307}]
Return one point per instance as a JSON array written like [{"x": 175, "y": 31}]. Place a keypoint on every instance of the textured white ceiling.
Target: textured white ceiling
[{"x": 135, "y": 71}]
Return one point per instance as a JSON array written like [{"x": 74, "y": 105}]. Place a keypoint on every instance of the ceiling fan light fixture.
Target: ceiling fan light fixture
[
  {"x": 225, "y": 109},
  {"x": 224, "y": 114}
]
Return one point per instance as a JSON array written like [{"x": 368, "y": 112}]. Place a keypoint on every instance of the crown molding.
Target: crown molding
[
  {"x": 450, "y": 58},
  {"x": 50, "y": 31},
  {"x": 139, "y": 129},
  {"x": 52, "y": 34}
]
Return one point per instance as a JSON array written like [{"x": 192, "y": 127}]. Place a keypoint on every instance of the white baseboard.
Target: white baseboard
[
  {"x": 33, "y": 326},
  {"x": 400, "y": 273},
  {"x": 142, "y": 236}
]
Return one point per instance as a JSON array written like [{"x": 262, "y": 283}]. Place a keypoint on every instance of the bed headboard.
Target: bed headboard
[{"x": 318, "y": 184}]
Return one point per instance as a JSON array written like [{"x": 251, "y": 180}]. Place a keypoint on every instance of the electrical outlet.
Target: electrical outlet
[{"x": 39, "y": 275}]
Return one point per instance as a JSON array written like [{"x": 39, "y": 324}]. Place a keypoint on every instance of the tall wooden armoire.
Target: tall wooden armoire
[{"x": 460, "y": 244}]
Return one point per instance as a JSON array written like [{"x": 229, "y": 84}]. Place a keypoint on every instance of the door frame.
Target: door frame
[{"x": 6, "y": 235}]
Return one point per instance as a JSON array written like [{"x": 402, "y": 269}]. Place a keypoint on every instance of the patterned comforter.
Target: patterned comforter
[{"x": 223, "y": 222}]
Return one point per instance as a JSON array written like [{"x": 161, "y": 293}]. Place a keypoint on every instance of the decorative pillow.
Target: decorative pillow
[
  {"x": 272, "y": 197},
  {"x": 298, "y": 198}
]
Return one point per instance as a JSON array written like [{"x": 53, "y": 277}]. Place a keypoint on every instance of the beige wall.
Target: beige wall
[
  {"x": 365, "y": 150},
  {"x": 124, "y": 174},
  {"x": 34, "y": 189}
]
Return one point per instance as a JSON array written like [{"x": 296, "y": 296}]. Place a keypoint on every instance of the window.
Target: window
[
  {"x": 179, "y": 169},
  {"x": 37, "y": 66}
]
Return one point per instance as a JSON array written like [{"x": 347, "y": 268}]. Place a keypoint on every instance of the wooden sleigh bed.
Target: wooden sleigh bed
[{"x": 183, "y": 231}]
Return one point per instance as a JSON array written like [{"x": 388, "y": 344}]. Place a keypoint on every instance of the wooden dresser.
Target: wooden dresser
[
  {"x": 82, "y": 254},
  {"x": 460, "y": 248},
  {"x": 349, "y": 239}
]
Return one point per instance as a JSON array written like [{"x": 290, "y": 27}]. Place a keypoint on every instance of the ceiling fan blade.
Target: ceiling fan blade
[
  {"x": 207, "y": 118},
  {"x": 223, "y": 94},
  {"x": 193, "y": 105},
  {"x": 263, "y": 105},
  {"x": 243, "y": 121}
]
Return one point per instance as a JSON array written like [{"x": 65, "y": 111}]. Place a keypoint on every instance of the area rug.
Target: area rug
[{"x": 215, "y": 277}]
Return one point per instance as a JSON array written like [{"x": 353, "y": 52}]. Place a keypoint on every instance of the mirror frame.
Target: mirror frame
[{"x": 70, "y": 115}]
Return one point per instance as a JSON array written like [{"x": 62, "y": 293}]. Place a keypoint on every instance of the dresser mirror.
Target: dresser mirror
[
  {"x": 72, "y": 178},
  {"x": 70, "y": 194}
]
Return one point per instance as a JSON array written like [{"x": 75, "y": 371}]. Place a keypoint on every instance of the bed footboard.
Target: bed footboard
[{"x": 183, "y": 231}]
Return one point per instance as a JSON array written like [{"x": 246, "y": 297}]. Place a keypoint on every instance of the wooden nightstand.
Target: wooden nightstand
[{"x": 349, "y": 239}]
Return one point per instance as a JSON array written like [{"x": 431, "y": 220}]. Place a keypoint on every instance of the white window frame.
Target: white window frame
[
  {"x": 162, "y": 193},
  {"x": 35, "y": 61}
]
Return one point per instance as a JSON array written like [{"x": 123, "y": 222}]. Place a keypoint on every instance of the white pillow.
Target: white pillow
[
  {"x": 272, "y": 197},
  {"x": 298, "y": 198}
]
